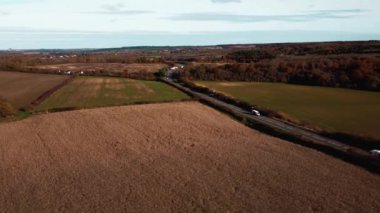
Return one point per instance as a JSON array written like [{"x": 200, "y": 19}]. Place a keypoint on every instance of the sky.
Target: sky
[{"x": 34, "y": 24}]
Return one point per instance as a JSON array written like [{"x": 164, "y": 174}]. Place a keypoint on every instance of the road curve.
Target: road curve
[{"x": 276, "y": 124}]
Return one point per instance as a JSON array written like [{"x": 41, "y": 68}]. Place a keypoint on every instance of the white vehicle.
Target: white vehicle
[
  {"x": 174, "y": 68},
  {"x": 376, "y": 153},
  {"x": 255, "y": 112}
]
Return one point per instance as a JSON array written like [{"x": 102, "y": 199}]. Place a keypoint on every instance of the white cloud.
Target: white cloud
[
  {"x": 243, "y": 18},
  {"x": 190, "y": 16},
  {"x": 119, "y": 9},
  {"x": 3, "y": 13}
]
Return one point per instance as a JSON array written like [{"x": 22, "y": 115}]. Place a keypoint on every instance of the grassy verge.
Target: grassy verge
[{"x": 20, "y": 115}]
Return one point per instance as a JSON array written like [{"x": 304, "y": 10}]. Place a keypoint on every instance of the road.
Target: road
[{"x": 276, "y": 124}]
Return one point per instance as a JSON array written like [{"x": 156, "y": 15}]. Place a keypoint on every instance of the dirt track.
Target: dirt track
[{"x": 162, "y": 157}]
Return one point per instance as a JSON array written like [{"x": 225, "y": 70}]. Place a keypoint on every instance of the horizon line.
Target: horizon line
[{"x": 177, "y": 46}]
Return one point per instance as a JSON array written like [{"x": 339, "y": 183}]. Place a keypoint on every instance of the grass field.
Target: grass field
[
  {"x": 330, "y": 109},
  {"x": 20, "y": 89},
  {"x": 88, "y": 92}
]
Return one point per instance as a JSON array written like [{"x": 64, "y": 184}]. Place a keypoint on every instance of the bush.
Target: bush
[
  {"x": 161, "y": 73},
  {"x": 6, "y": 109}
]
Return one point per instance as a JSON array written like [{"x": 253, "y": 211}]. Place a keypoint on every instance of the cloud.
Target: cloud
[
  {"x": 339, "y": 11},
  {"x": 3, "y": 13},
  {"x": 122, "y": 12},
  {"x": 113, "y": 7},
  {"x": 225, "y": 1},
  {"x": 47, "y": 31},
  {"x": 118, "y": 9},
  {"x": 304, "y": 17}
]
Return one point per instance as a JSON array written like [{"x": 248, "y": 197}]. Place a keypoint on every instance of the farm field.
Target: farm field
[
  {"x": 110, "y": 67},
  {"x": 163, "y": 157},
  {"x": 20, "y": 89},
  {"x": 329, "y": 109},
  {"x": 89, "y": 92}
]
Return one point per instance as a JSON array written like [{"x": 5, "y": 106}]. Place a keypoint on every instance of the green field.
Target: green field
[
  {"x": 330, "y": 109},
  {"x": 88, "y": 92}
]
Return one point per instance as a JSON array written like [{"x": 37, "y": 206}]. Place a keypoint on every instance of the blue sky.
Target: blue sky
[{"x": 26, "y": 24}]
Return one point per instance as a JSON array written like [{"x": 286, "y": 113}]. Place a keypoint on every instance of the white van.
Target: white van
[{"x": 255, "y": 112}]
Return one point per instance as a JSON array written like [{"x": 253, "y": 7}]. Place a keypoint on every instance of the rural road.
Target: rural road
[{"x": 276, "y": 124}]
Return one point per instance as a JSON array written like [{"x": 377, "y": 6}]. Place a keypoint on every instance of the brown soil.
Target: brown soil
[
  {"x": 169, "y": 157},
  {"x": 20, "y": 89}
]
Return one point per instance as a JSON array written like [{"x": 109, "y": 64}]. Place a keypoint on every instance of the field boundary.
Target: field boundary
[
  {"x": 347, "y": 153},
  {"x": 68, "y": 109},
  {"x": 358, "y": 141},
  {"x": 49, "y": 92}
]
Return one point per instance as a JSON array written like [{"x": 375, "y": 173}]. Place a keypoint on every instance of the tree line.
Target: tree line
[
  {"x": 22, "y": 61},
  {"x": 347, "y": 71}
]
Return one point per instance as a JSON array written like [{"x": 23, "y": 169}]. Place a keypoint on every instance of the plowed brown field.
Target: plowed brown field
[
  {"x": 168, "y": 157},
  {"x": 20, "y": 89}
]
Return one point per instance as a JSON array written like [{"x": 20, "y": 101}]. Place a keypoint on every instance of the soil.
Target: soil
[
  {"x": 182, "y": 157},
  {"x": 20, "y": 89}
]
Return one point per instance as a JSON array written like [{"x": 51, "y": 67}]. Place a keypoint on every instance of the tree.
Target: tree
[{"x": 162, "y": 73}]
